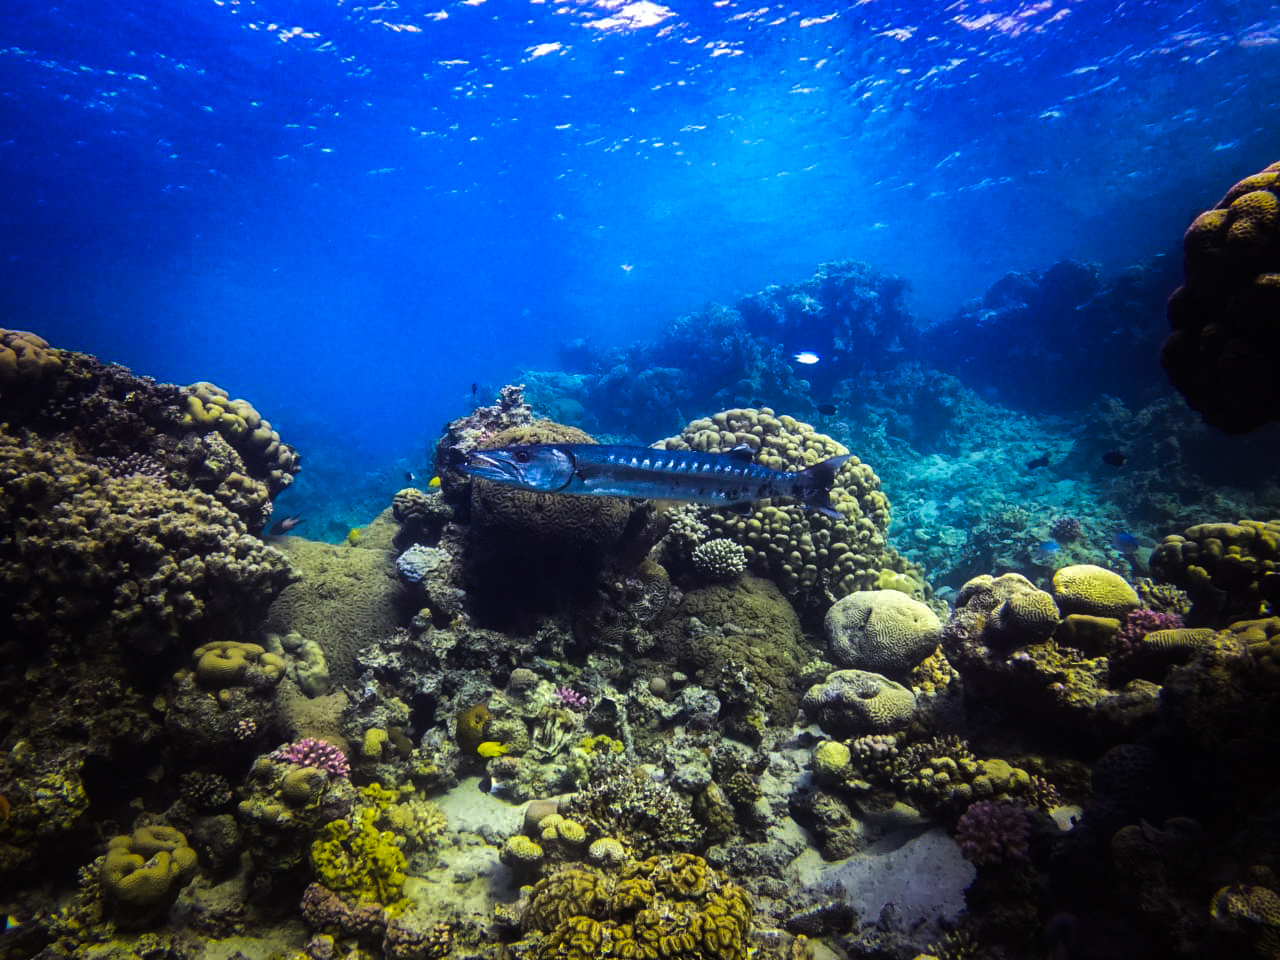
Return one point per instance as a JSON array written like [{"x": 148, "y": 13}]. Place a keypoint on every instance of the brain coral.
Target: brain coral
[
  {"x": 884, "y": 631},
  {"x": 346, "y": 597},
  {"x": 1098, "y": 592},
  {"x": 854, "y": 702},
  {"x": 94, "y": 555},
  {"x": 1224, "y": 352},
  {"x": 812, "y": 557},
  {"x": 142, "y": 874},
  {"x": 1228, "y": 569},
  {"x": 669, "y": 906}
]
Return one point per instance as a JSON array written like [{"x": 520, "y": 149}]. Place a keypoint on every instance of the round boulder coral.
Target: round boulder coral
[
  {"x": 854, "y": 702},
  {"x": 1096, "y": 591},
  {"x": 884, "y": 631}
]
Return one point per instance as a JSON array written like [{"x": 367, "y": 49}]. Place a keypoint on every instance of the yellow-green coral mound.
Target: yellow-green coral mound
[
  {"x": 96, "y": 555},
  {"x": 210, "y": 408},
  {"x": 812, "y": 557},
  {"x": 27, "y": 364},
  {"x": 881, "y": 630},
  {"x": 1096, "y": 591},
  {"x": 1228, "y": 569},
  {"x": 142, "y": 874},
  {"x": 1224, "y": 352},
  {"x": 671, "y": 906}
]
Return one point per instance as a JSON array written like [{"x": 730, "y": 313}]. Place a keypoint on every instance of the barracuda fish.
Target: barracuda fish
[{"x": 601, "y": 470}]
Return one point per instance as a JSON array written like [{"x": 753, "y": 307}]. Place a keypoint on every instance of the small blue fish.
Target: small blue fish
[
  {"x": 1125, "y": 542},
  {"x": 1045, "y": 552},
  {"x": 807, "y": 357}
]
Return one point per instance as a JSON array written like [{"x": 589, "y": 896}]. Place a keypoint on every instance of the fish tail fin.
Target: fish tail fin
[{"x": 816, "y": 483}]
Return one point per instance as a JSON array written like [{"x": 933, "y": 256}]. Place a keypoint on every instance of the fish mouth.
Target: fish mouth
[{"x": 481, "y": 464}]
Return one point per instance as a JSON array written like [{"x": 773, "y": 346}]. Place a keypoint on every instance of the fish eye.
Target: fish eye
[{"x": 522, "y": 456}]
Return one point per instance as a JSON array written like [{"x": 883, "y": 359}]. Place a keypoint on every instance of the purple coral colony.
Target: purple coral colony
[{"x": 507, "y": 724}]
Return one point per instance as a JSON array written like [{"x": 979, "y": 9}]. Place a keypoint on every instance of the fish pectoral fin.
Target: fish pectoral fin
[{"x": 743, "y": 453}]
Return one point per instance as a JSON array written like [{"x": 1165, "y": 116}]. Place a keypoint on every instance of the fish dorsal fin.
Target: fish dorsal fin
[{"x": 742, "y": 453}]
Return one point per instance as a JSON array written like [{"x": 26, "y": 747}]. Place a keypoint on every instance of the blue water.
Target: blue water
[{"x": 350, "y": 213}]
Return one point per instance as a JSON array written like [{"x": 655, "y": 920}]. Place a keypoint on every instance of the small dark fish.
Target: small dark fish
[
  {"x": 1125, "y": 542},
  {"x": 409, "y": 477},
  {"x": 285, "y": 524},
  {"x": 1114, "y": 457},
  {"x": 826, "y": 409},
  {"x": 643, "y": 473},
  {"x": 1038, "y": 462},
  {"x": 474, "y": 388}
]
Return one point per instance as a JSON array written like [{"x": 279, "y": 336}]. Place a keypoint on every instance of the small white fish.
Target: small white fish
[{"x": 806, "y": 357}]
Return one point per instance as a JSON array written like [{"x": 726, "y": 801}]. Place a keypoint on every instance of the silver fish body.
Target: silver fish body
[{"x": 604, "y": 470}]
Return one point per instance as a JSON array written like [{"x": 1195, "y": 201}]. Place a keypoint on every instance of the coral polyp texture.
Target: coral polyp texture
[
  {"x": 813, "y": 558},
  {"x": 130, "y": 558},
  {"x": 1229, "y": 570},
  {"x": 127, "y": 522},
  {"x": 1224, "y": 352},
  {"x": 668, "y": 906}
]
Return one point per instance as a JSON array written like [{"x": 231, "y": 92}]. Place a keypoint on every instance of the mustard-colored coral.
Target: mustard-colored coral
[
  {"x": 27, "y": 363},
  {"x": 228, "y": 663},
  {"x": 663, "y": 907},
  {"x": 1230, "y": 570},
  {"x": 210, "y": 408},
  {"x": 881, "y": 630},
  {"x": 1096, "y": 591}
]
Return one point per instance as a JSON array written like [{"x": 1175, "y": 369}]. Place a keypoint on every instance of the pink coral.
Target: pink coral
[
  {"x": 573, "y": 699},
  {"x": 1137, "y": 624},
  {"x": 310, "y": 752},
  {"x": 993, "y": 831}
]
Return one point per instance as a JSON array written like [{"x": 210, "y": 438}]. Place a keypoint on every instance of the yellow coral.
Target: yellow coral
[
  {"x": 26, "y": 362},
  {"x": 225, "y": 663},
  {"x": 143, "y": 873},
  {"x": 1085, "y": 588}
]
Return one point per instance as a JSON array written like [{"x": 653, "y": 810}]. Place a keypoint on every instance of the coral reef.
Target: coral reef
[
  {"x": 1229, "y": 570},
  {"x": 1223, "y": 352}
]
